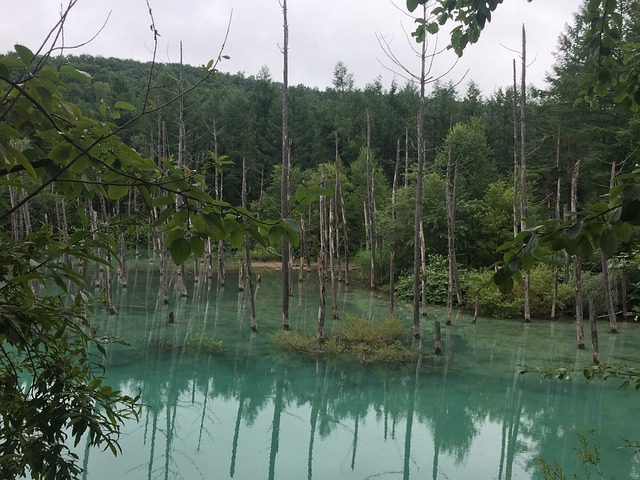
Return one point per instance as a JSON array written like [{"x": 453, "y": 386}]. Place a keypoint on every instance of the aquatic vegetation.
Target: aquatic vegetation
[{"x": 367, "y": 342}]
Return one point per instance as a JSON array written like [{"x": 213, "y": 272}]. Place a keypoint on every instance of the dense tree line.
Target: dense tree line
[{"x": 245, "y": 112}]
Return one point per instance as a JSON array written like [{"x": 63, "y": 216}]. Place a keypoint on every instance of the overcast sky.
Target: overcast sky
[{"x": 321, "y": 33}]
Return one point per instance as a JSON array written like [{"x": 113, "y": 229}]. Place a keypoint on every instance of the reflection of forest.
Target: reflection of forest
[
  {"x": 493, "y": 425},
  {"x": 251, "y": 412}
]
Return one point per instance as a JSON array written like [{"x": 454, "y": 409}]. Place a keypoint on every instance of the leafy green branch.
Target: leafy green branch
[{"x": 602, "y": 226}]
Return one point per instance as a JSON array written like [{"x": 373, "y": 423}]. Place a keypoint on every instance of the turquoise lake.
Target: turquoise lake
[{"x": 254, "y": 412}]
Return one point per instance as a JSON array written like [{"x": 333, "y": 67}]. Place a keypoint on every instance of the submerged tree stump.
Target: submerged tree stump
[{"x": 438, "y": 340}]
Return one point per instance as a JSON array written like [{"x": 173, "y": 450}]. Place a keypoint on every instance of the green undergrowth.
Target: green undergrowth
[
  {"x": 202, "y": 344},
  {"x": 385, "y": 342}
]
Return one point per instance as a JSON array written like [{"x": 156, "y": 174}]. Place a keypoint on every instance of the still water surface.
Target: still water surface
[{"x": 252, "y": 412}]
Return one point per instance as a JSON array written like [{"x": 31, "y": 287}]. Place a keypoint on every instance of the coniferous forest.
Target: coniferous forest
[{"x": 468, "y": 134}]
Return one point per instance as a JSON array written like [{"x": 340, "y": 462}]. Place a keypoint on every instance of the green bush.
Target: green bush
[
  {"x": 367, "y": 342},
  {"x": 437, "y": 281},
  {"x": 511, "y": 305},
  {"x": 361, "y": 262}
]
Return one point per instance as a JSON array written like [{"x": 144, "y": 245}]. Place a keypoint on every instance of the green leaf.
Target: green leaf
[
  {"x": 632, "y": 192},
  {"x": 275, "y": 234},
  {"x": 71, "y": 72},
  {"x": 115, "y": 192},
  {"x": 574, "y": 230},
  {"x": 503, "y": 280},
  {"x": 24, "y": 53},
  {"x": 180, "y": 249},
  {"x": 412, "y": 5},
  {"x": 609, "y": 243},
  {"x": 11, "y": 63},
  {"x": 585, "y": 249},
  {"x": 124, "y": 106},
  {"x": 197, "y": 246}
]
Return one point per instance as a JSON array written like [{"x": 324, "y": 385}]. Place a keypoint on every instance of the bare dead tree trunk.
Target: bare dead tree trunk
[
  {"x": 322, "y": 279},
  {"x": 241, "y": 275},
  {"x": 370, "y": 210},
  {"x": 554, "y": 300},
  {"x": 606, "y": 281},
  {"x": 336, "y": 216},
  {"x": 418, "y": 204},
  {"x": 367, "y": 231},
  {"x": 406, "y": 156},
  {"x": 284, "y": 183},
  {"x": 182, "y": 271},
  {"x": 343, "y": 214},
  {"x": 247, "y": 250},
  {"x": 334, "y": 298},
  {"x": 524, "y": 213},
  {"x": 576, "y": 260},
  {"x": 303, "y": 247},
  {"x": 454, "y": 263},
  {"x": 392, "y": 255},
  {"x": 161, "y": 236},
  {"x": 93, "y": 219},
  {"x": 450, "y": 234},
  {"x": 218, "y": 180},
  {"x": 107, "y": 281},
  {"x": 515, "y": 152},
  {"x": 208, "y": 258},
  {"x": 423, "y": 271}
]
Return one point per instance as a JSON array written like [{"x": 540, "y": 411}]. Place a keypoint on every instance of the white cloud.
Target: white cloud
[{"x": 321, "y": 33}]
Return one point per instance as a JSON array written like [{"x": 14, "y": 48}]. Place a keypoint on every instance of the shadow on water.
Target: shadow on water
[{"x": 250, "y": 411}]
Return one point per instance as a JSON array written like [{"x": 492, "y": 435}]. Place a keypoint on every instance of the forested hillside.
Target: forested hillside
[
  {"x": 244, "y": 115},
  {"x": 473, "y": 154}
]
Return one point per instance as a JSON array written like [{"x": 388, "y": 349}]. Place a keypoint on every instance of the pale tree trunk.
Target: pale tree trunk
[
  {"x": 322, "y": 264},
  {"x": 515, "y": 152},
  {"x": 218, "y": 180},
  {"x": 284, "y": 183},
  {"x": 122, "y": 247},
  {"x": 451, "y": 201},
  {"x": 93, "y": 219},
  {"x": 524, "y": 212},
  {"x": 25, "y": 227},
  {"x": 208, "y": 258},
  {"x": 406, "y": 156},
  {"x": 222, "y": 274},
  {"x": 343, "y": 215},
  {"x": 16, "y": 230},
  {"x": 247, "y": 249},
  {"x": 106, "y": 271},
  {"x": 367, "y": 234},
  {"x": 182, "y": 271},
  {"x": 454, "y": 263},
  {"x": 334, "y": 298},
  {"x": 576, "y": 260},
  {"x": 241, "y": 275},
  {"x": 392, "y": 255},
  {"x": 423, "y": 271},
  {"x": 554, "y": 300},
  {"x": 450, "y": 234},
  {"x": 370, "y": 210},
  {"x": 336, "y": 217},
  {"x": 303, "y": 247},
  {"x": 606, "y": 281},
  {"x": 418, "y": 204}
]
